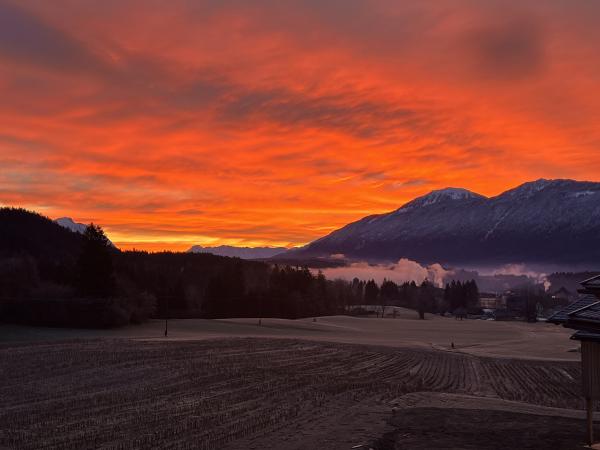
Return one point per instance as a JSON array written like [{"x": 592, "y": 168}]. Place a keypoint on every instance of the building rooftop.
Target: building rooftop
[
  {"x": 591, "y": 285},
  {"x": 590, "y": 312},
  {"x": 594, "y": 281},
  {"x": 562, "y": 316},
  {"x": 582, "y": 335}
]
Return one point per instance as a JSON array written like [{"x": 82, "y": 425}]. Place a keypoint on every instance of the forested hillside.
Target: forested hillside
[{"x": 52, "y": 276}]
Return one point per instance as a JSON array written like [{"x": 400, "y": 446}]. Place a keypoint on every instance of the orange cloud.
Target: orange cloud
[{"x": 270, "y": 123}]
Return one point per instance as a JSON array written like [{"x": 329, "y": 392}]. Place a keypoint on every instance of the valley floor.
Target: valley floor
[
  {"x": 478, "y": 337},
  {"x": 299, "y": 385}
]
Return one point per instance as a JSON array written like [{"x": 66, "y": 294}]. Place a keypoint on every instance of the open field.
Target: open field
[
  {"x": 265, "y": 393},
  {"x": 477, "y": 337},
  {"x": 336, "y": 383}
]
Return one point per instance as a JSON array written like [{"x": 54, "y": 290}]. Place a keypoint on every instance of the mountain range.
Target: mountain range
[
  {"x": 544, "y": 221},
  {"x": 240, "y": 252},
  {"x": 222, "y": 250},
  {"x": 541, "y": 222}
]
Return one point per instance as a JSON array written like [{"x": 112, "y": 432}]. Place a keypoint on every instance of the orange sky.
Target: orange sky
[{"x": 272, "y": 122}]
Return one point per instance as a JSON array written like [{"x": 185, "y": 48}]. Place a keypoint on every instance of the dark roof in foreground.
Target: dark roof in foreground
[
  {"x": 585, "y": 319},
  {"x": 592, "y": 283},
  {"x": 588, "y": 313},
  {"x": 560, "y": 317},
  {"x": 586, "y": 336}
]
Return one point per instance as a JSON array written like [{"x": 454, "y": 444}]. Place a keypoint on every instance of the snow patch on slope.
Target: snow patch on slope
[
  {"x": 531, "y": 188},
  {"x": 583, "y": 194},
  {"x": 70, "y": 224}
]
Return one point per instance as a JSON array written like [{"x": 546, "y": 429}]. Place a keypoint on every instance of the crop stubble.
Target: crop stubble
[{"x": 206, "y": 394}]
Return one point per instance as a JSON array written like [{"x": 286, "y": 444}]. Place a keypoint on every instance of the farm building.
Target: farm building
[
  {"x": 583, "y": 316},
  {"x": 563, "y": 295},
  {"x": 491, "y": 301}
]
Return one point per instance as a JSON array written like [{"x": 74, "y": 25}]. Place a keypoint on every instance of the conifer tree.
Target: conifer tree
[{"x": 95, "y": 266}]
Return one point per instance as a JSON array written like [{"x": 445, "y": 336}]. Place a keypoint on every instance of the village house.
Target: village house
[
  {"x": 491, "y": 301},
  {"x": 583, "y": 316}
]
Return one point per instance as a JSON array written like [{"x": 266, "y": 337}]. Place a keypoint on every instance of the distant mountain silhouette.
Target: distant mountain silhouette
[
  {"x": 240, "y": 252},
  {"x": 545, "y": 221},
  {"x": 75, "y": 227},
  {"x": 70, "y": 224}
]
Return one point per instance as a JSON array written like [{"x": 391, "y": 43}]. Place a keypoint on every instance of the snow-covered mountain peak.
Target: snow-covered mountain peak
[
  {"x": 537, "y": 185},
  {"x": 533, "y": 187},
  {"x": 75, "y": 227},
  {"x": 442, "y": 195},
  {"x": 70, "y": 224},
  {"x": 542, "y": 222}
]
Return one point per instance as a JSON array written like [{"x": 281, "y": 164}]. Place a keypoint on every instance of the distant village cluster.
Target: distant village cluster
[
  {"x": 526, "y": 303},
  {"x": 463, "y": 300}
]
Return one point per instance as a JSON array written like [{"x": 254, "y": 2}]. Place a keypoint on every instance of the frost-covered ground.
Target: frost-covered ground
[
  {"x": 249, "y": 393},
  {"x": 507, "y": 339}
]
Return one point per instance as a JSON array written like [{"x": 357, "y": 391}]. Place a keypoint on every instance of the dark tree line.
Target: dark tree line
[
  {"x": 286, "y": 292},
  {"x": 461, "y": 295},
  {"x": 52, "y": 276},
  {"x": 424, "y": 298}
]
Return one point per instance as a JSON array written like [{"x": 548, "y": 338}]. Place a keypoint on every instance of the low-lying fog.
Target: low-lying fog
[{"x": 491, "y": 279}]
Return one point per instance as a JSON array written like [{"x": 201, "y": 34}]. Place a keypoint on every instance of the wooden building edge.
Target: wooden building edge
[{"x": 583, "y": 316}]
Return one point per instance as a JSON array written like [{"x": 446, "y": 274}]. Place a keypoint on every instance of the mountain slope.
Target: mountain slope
[
  {"x": 240, "y": 252},
  {"x": 545, "y": 221}
]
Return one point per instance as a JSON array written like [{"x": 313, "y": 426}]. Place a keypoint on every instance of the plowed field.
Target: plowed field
[{"x": 237, "y": 393}]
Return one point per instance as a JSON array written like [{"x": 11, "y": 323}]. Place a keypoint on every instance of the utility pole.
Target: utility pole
[
  {"x": 167, "y": 316},
  {"x": 167, "y": 304},
  {"x": 259, "y": 310}
]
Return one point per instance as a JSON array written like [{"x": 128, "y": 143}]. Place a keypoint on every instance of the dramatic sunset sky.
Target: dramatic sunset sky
[{"x": 273, "y": 122}]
